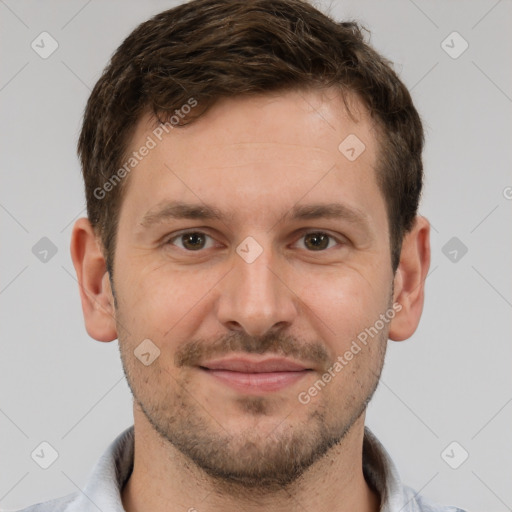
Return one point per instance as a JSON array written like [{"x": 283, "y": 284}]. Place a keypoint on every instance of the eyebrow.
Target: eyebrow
[{"x": 182, "y": 210}]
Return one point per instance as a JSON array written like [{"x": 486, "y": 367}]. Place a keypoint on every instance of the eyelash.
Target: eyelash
[{"x": 170, "y": 240}]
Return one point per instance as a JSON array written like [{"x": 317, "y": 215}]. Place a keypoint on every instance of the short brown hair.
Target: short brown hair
[{"x": 212, "y": 49}]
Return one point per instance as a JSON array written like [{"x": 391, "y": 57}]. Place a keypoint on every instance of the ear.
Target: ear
[
  {"x": 409, "y": 283},
  {"x": 94, "y": 284}
]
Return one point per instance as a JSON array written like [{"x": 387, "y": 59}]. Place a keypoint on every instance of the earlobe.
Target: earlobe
[
  {"x": 93, "y": 280},
  {"x": 409, "y": 284}
]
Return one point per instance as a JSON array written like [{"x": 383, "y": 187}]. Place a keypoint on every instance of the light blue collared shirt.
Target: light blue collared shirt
[{"x": 103, "y": 488}]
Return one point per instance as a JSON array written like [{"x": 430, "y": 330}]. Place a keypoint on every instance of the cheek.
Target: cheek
[
  {"x": 158, "y": 300},
  {"x": 344, "y": 303}
]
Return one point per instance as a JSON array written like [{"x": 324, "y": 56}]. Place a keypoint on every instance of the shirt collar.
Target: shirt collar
[{"x": 381, "y": 474}]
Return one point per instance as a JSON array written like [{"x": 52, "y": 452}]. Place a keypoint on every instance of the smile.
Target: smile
[{"x": 255, "y": 377}]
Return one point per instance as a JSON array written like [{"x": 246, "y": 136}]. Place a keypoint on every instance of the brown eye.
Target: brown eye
[
  {"x": 193, "y": 241},
  {"x": 190, "y": 241},
  {"x": 317, "y": 241}
]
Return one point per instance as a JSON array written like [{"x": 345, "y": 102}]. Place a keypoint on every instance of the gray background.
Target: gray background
[{"x": 450, "y": 382}]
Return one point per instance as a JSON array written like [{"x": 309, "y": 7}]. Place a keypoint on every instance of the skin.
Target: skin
[{"x": 199, "y": 443}]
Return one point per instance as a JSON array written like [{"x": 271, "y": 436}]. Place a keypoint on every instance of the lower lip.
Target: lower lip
[{"x": 257, "y": 382}]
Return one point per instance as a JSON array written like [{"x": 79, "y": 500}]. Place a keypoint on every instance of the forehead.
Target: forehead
[{"x": 245, "y": 152}]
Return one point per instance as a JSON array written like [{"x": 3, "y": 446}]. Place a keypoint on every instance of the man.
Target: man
[{"x": 253, "y": 172}]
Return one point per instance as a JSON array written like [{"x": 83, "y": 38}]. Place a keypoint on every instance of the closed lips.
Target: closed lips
[
  {"x": 247, "y": 366},
  {"x": 250, "y": 376}
]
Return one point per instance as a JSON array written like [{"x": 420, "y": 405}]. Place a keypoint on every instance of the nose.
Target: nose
[{"x": 256, "y": 296}]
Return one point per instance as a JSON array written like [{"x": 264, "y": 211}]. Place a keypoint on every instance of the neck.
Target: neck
[{"x": 163, "y": 479}]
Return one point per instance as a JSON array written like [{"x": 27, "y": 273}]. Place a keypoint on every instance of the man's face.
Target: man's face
[{"x": 256, "y": 284}]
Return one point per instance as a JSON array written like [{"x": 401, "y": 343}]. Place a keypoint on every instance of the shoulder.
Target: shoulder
[
  {"x": 417, "y": 503},
  {"x": 56, "y": 505}
]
